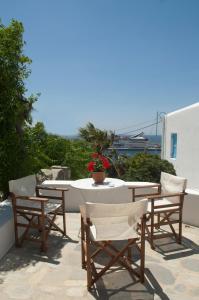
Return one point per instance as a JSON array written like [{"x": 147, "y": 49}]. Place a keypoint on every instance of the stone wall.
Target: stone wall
[{"x": 54, "y": 173}]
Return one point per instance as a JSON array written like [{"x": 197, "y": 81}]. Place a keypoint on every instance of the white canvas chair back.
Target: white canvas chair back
[
  {"x": 24, "y": 187},
  {"x": 172, "y": 184},
  {"x": 115, "y": 221}
]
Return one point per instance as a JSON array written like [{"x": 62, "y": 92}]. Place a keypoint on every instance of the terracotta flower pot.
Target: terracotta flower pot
[{"x": 98, "y": 177}]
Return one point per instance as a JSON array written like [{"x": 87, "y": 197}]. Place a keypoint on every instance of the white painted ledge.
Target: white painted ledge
[
  {"x": 73, "y": 199},
  {"x": 6, "y": 227},
  {"x": 191, "y": 207}
]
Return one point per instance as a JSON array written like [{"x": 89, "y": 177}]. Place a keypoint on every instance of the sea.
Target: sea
[
  {"x": 152, "y": 139},
  {"x": 132, "y": 152}
]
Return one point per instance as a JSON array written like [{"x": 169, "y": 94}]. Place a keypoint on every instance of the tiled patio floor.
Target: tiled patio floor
[{"x": 172, "y": 272}]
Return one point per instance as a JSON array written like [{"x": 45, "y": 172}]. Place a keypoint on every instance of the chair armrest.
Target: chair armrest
[
  {"x": 161, "y": 196},
  {"x": 41, "y": 187},
  {"x": 41, "y": 199},
  {"x": 158, "y": 185}
]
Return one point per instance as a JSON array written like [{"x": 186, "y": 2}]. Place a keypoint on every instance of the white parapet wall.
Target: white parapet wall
[
  {"x": 73, "y": 199},
  {"x": 191, "y": 208},
  {"x": 6, "y": 227}
]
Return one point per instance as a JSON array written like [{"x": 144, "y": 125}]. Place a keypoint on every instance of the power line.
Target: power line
[
  {"x": 134, "y": 125},
  {"x": 138, "y": 129}
]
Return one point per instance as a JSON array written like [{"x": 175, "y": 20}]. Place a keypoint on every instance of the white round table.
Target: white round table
[
  {"x": 111, "y": 191},
  {"x": 89, "y": 184}
]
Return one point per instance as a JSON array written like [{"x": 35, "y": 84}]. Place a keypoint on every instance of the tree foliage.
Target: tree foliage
[
  {"x": 15, "y": 107},
  {"x": 77, "y": 156},
  {"x": 47, "y": 149},
  {"x": 99, "y": 139},
  {"x": 146, "y": 167}
]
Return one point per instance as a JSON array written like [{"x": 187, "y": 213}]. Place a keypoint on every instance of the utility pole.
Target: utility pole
[{"x": 156, "y": 127}]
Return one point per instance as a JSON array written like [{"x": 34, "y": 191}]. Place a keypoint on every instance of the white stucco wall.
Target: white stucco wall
[
  {"x": 184, "y": 122},
  {"x": 73, "y": 199},
  {"x": 6, "y": 227}
]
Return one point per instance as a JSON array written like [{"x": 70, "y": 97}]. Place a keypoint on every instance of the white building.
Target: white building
[
  {"x": 181, "y": 143},
  {"x": 181, "y": 148}
]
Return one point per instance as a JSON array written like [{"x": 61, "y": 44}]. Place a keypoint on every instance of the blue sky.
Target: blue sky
[{"x": 114, "y": 63}]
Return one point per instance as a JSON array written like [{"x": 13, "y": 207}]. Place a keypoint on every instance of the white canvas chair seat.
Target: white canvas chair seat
[
  {"x": 160, "y": 202},
  {"x": 49, "y": 207},
  {"x": 33, "y": 210},
  {"x": 101, "y": 224}
]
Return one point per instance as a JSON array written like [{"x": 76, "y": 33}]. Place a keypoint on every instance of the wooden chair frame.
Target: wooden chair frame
[
  {"x": 36, "y": 217},
  {"x": 143, "y": 195},
  {"x": 115, "y": 254},
  {"x": 163, "y": 217}
]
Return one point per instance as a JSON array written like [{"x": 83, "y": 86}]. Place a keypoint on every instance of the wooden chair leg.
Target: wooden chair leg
[
  {"x": 152, "y": 230},
  {"x": 88, "y": 260},
  {"x": 158, "y": 221},
  {"x": 142, "y": 252},
  {"x": 43, "y": 231},
  {"x": 82, "y": 244},
  {"x": 17, "y": 243},
  {"x": 63, "y": 211},
  {"x": 129, "y": 252},
  {"x": 64, "y": 224},
  {"x": 180, "y": 227}
]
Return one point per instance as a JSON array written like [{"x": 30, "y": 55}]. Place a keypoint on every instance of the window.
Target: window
[{"x": 173, "y": 145}]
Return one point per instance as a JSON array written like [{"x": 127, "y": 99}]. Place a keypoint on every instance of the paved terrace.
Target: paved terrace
[{"x": 172, "y": 272}]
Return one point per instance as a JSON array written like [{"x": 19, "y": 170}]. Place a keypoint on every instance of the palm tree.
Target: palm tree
[{"x": 100, "y": 140}]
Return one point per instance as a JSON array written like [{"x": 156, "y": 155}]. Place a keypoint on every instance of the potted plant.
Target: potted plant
[{"x": 97, "y": 166}]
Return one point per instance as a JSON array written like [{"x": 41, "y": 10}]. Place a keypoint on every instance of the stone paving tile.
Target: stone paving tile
[{"x": 172, "y": 271}]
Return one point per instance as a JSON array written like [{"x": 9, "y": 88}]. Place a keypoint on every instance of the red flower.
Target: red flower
[
  {"x": 91, "y": 166},
  {"x": 99, "y": 163},
  {"x": 106, "y": 163}
]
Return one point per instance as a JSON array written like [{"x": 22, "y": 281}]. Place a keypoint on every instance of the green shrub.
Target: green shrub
[
  {"x": 47, "y": 149},
  {"x": 77, "y": 156},
  {"x": 146, "y": 167}
]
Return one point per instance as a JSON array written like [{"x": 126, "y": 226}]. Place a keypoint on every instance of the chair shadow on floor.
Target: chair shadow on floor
[
  {"x": 121, "y": 285},
  {"x": 118, "y": 283},
  {"x": 170, "y": 249},
  {"x": 29, "y": 254}
]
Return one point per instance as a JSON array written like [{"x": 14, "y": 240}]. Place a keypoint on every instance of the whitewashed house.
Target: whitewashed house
[{"x": 180, "y": 146}]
